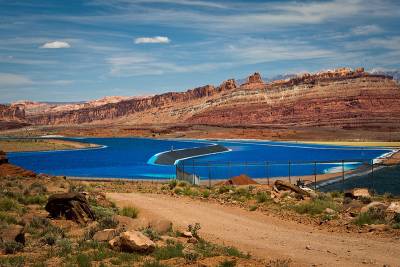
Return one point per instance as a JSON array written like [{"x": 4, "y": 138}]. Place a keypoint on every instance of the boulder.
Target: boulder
[
  {"x": 394, "y": 207},
  {"x": 104, "y": 235},
  {"x": 187, "y": 234},
  {"x": 374, "y": 205},
  {"x": 135, "y": 241},
  {"x": 329, "y": 211},
  {"x": 115, "y": 243},
  {"x": 13, "y": 233},
  {"x": 72, "y": 206},
  {"x": 285, "y": 185},
  {"x": 357, "y": 193}
]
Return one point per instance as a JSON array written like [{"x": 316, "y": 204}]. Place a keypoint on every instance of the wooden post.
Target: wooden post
[
  {"x": 315, "y": 175},
  {"x": 209, "y": 175},
  {"x": 342, "y": 175}
]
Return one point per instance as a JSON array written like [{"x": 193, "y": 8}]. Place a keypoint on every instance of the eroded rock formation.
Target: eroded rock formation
[{"x": 334, "y": 98}]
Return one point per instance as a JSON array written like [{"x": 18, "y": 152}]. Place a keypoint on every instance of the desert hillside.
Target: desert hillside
[{"x": 342, "y": 98}]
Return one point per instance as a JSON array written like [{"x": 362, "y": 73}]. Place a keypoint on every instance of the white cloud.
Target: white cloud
[
  {"x": 9, "y": 79},
  {"x": 366, "y": 30},
  {"x": 56, "y": 44},
  {"x": 152, "y": 40}
]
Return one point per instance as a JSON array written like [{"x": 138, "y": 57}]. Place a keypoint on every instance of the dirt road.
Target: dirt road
[{"x": 268, "y": 237}]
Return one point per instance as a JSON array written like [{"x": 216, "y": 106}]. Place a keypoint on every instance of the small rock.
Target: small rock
[
  {"x": 187, "y": 234},
  {"x": 135, "y": 241},
  {"x": 377, "y": 227},
  {"x": 374, "y": 205},
  {"x": 104, "y": 235},
  {"x": 329, "y": 211},
  {"x": 192, "y": 240},
  {"x": 394, "y": 207},
  {"x": 308, "y": 247},
  {"x": 357, "y": 193},
  {"x": 114, "y": 243}
]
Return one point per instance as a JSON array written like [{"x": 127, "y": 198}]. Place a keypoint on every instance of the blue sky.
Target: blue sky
[{"x": 81, "y": 50}]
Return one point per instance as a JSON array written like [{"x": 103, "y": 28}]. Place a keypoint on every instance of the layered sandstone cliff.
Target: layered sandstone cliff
[{"x": 335, "y": 98}]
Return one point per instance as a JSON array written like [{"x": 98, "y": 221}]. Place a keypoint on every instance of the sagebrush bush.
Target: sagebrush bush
[
  {"x": 372, "y": 216},
  {"x": 262, "y": 197},
  {"x": 12, "y": 247},
  {"x": 172, "y": 184},
  {"x": 151, "y": 233},
  {"x": 168, "y": 252},
  {"x": 316, "y": 206},
  {"x": 131, "y": 212}
]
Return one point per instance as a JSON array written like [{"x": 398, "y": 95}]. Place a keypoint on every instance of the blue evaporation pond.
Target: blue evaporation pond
[
  {"x": 133, "y": 157},
  {"x": 261, "y": 159}
]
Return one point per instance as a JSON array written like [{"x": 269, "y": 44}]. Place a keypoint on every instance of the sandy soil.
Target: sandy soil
[
  {"x": 268, "y": 237},
  {"x": 41, "y": 145}
]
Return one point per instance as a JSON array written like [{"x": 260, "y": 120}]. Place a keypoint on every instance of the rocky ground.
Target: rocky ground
[
  {"x": 48, "y": 221},
  {"x": 32, "y": 235}
]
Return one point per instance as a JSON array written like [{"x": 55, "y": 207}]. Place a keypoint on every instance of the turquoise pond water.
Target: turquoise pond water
[{"x": 133, "y": 157}]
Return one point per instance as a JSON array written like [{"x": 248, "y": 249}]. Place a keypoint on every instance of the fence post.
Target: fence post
[
  {"x": 372, "y": 173},
  {"x": 342, "y": 175},
  {"x": 315, "y": 175},
  {"x": 209, "y": 175},
  {"x": 183, "y": 169},
  {"x": 290, "y": 181},
  {"x": 266, "y": 171}
]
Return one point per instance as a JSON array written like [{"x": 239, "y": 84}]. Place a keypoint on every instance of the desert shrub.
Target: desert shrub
[
  {"x": 172, "y": 184},
  {"x": 388, "y": 195},
  {"x": 38, "y": 188},
  {"x": 178, "y": 191},
  {"x": 183, "y": 184},
  {"x": 153, "y": 264},
  {"x": 102, "y": 212},
  {"x": 253, "y": 207},
  {"x": 168, "y": 252},
  {"x": 279, "y": 263},
  {"x": 206, "y": 193},
  {"x": 194, "y": 229},
  {"x": 227, "y": 263},
  {"x": 107, "y": 223},
  {"x": 262, "y": 197},
  {"x": 224, "y": 189},
  {"x": 316, "y": 206},
  {"x": 337, "y": 194},
  {"x": 131, "y": 212},
  {"x": 12, "y": 247},
  {"x": 123, "y": 257},
  {"x": 49, "y": 239},
  {"x": 42, "y": 227},
  {"x": 64, "y": 247},
  {"x": 232, "y": 251},
  {"x": 151, "y": 233},
  {"x": 36, "y": 199},
  {"x": 8, "y": 204},
  {"x": 83, "y": 260},
  {"x": 77, "y": 188},
  {"x": 372, "y": 216},
  {"x": 16, "y": 261},
  {"x": 396, "y": 226},
  {"x": 7, "y": 218},
  {"x": 365, "y": 200}
]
